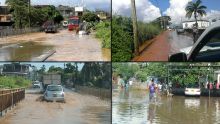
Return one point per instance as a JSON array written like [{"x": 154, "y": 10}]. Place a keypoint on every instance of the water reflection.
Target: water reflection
[{"x": 131, "y": 107}]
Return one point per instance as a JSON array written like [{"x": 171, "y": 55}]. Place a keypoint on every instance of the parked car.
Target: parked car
[
  {"x": 192, "y": 90},
  {"x": 50, "y": 27},
  {"x": 206, "y": 48},
  {"x": 54, "y": 93},
  {"x": 179, "y": 29},
  {"x": 65, "y": 24}
]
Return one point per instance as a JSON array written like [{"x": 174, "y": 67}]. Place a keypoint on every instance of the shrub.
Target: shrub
[{"x": 14, "y": 82}]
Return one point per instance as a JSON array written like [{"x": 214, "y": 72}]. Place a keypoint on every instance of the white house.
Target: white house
[{"x": 202, "y": 24}]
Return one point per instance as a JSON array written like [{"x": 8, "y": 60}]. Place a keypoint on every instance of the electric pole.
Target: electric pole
[
  {"x": 135, "y": 26},
  {"x": 29, "y": 12}
]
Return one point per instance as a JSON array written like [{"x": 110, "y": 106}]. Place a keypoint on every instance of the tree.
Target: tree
[
  {"x": 135, "y": 26},
  {"x": 195, "y": 8},
  {"x": 90, "y": 17}
]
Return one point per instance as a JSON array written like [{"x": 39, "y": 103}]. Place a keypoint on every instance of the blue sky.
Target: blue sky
[
  {"x": 90, "y": 4},
  {"x": 148, "y": 10}
]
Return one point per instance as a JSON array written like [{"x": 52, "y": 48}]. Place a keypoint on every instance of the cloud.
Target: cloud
[
  {"x": 146, "y": 11},
  {"x": 177, "y": 10},
  {"x": 213, "y": 14}
]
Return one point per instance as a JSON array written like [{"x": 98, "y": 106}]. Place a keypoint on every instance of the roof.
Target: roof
[{"x": 194, "y": 20}]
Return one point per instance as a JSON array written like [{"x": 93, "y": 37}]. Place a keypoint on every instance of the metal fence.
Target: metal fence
[
  {"x": 9, "y": 98},
  {"x": 99, "y": 92},
  {"x": 12, "y": 31}
]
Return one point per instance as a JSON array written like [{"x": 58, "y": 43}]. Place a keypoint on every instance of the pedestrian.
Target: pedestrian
[
  {"x": 195, "y": 33},
  {"x": 152, "y": 90}
]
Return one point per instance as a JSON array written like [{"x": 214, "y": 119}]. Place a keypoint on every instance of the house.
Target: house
[
  {"x": 5, "y": 17},
  {"x": 102, "y": 15},
  {"x": 66, "y": 11},
  {"x": 16, "y": 69},
  {"x": 202, "y": 24}
]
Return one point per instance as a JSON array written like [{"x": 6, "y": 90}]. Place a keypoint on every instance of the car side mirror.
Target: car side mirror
[{"x": 178, "y": 57}]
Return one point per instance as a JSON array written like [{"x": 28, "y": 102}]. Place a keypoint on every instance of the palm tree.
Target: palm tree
[{"x": 195, "y": 8}]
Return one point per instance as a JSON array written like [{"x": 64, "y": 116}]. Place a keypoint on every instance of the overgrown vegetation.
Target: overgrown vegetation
[
  {"x": 38, "y": 14},
  {"x": 122, "y": 36},
  {"x": 103, "y": 31},
  {"x": 14, "y": 82},
  {"x": 181, "y": 74}
]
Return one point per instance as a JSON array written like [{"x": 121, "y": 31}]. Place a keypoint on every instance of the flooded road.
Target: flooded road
[
  {"x": 134, "y": 107},
  {"x": 61, "y": 46},
  {"x": 78, "y": 109},
  {"x": 178, "y": 42}
]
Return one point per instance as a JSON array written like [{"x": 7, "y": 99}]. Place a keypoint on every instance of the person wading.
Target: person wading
[{"x": 152, "y": 90}]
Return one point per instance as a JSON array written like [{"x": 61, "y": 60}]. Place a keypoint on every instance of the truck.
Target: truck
[
  {"x": 73, "y": 23},
  {"x": 51, "y": 78}
]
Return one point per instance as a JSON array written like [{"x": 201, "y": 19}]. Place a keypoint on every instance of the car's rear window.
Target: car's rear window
[{"x": 54, "y": 88}]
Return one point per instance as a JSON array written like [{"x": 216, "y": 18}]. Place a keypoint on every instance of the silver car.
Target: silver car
[{"x": 54, "y": 93}]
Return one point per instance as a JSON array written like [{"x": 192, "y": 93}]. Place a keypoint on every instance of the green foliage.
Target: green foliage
[
  {"x": 147, "y": 31},
  {"x": 96, "y": 75},
  {"x": 14, "y": 82},
  {"x": 122, "y": 36},
  {"x": 90, "y": 17},
  {"x": 103, "y": 31},
  {"x": 19, "y": 10},
  {"x": 121, "y": 39}
]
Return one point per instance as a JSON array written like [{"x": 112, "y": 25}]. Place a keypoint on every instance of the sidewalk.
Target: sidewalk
[{"x": 157, "y": 51}]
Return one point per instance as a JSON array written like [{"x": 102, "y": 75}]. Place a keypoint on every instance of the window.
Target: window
[{"x": 211, "y": 50}]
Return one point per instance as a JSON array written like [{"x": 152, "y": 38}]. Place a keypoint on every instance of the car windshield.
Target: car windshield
[
  {"x": 54, "y": 88},
  {"x": 73, "y": 21}
]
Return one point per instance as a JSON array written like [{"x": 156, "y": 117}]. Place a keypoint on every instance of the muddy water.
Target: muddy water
[
  {"x": 134, "y": 107},
  {"x": 27, "y": 51},
  {"x": 178, "y": 42},
  {"x": 78, "y": 109},
  {"x": 68, "y": 47}
]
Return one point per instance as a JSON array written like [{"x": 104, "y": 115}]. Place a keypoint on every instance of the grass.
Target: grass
[{"x": 14, "y": 82}]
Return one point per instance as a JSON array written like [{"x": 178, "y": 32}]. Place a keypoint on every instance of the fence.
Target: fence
[
  {"x": 99, "y": 92},
  {"x": 12, "y": 31},
  {"x": 9, "y": 98}
]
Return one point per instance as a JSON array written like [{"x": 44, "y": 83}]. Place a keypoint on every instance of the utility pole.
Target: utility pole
[
  {"x": 135, "y": 26},
  {"x": 29, "y": 12}
]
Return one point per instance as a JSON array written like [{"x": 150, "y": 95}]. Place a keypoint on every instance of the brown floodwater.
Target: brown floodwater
[
  {"x": 78, "y": 109},
  {"x": 134, "y": 107},
  {"x": 27, "y": 51},
  {"x": 68, "y": 47}
]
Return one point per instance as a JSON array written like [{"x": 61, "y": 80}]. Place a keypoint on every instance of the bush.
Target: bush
[
  {"x": 14, "y": 82},
  {"x": 121, "y": 41},
  {"x": 122, "y": 36},
  {"x": 103, "y": 31}
]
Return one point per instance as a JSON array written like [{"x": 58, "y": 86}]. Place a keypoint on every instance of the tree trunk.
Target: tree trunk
[
  {"x": 196, "y": 20},
  {"x": 134, "y": 20}
]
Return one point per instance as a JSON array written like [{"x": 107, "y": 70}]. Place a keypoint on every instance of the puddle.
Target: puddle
[{"x": 27, "y": 51}]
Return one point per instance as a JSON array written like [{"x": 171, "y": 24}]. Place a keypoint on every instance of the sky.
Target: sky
[
  {"x": 148, "y": 10},
  {"x": 90, "y": 4}
]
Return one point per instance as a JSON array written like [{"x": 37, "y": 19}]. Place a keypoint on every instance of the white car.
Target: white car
[
  {"x": 192, "y": 91},
  {"x": 54, "y": 93},
  {"x": 206, "y": 48}
]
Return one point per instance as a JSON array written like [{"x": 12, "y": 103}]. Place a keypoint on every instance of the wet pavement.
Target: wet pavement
[
  {"x": 61, "y": 46},
  {"x": 80, "y": 109},
  {"x": 178, "y": 42},
  {"x": 134, "y": 107},
  {"x": 165, "y": 44}
]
